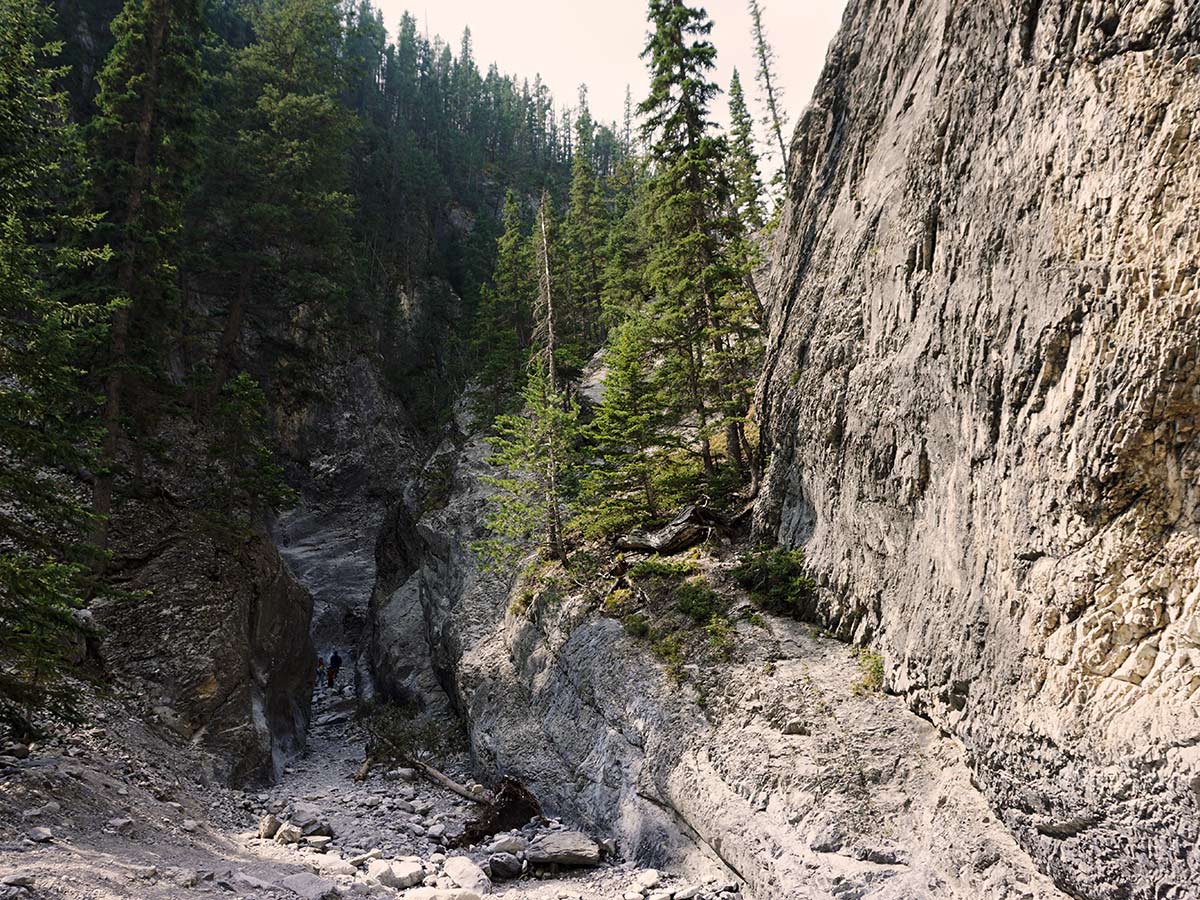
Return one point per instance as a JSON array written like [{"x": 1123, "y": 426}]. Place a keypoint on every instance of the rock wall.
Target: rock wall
[
  {"x": 213, "y": 631},
  {"x": 982, "y": 401},
  {"x": 772, "y": 768}
]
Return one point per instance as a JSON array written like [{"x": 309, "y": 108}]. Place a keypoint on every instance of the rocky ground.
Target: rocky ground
[{"x": 117, "y": 810}]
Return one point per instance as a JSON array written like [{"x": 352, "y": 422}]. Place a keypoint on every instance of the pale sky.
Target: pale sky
[{"x": 597, "y": 43}]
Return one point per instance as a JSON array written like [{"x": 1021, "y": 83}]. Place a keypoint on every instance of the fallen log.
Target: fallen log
[{"x": 687, "y": 529}]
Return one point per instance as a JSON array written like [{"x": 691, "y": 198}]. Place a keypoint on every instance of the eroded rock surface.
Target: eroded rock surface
[
  {"x": 712, "y": 777},
  {"x": 981, "y": 401}
]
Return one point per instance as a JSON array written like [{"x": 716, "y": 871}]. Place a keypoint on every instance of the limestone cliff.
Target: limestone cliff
[
  {"x": 981, "y": 401},
  {"x": 769, "y": 768}
]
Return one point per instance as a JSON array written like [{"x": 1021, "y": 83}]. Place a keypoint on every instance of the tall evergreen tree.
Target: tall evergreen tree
[
  {"x": 743, "y": 160},
  {"x": 536, "y": 449},
  {"x": 629, "y": 439},
  {"x": 144, "y": 138},
  {"x": 275, "y": 212},
  {"x": 503, "y": 323},
  {"x": 689, "y": 199},
  {"x": 768, "y": 82},
  {"x": 46, "y": 424},
  {"x": 584, "y": 234}
]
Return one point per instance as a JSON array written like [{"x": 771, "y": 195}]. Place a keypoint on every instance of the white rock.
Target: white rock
[
  {"x": 398, "y": 874},
  {"x": 466, "y": 874}
]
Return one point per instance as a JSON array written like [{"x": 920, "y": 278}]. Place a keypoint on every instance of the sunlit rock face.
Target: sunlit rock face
[{"x": 981, "y": 402}]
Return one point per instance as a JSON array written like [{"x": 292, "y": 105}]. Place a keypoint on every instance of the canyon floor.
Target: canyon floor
[{"x": 115, "y": 811}]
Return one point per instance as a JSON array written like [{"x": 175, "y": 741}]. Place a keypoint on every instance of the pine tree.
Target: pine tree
[
  {"x": 628, "y": 439},
  {"x": 503, "y": 323},
  {"x": 686, "y": 196},
  {"x": 772, "y": 94},
  {"x": 144, "y": 138},
  {"x": 536, "y": 448},
  {"x": 536, "y": 452},
  {"x": 46, "y": 415},
  {"x": 584, "y": 234},
  {"x": 743, "y": 161},
  {"x": 274, "y": 211}
]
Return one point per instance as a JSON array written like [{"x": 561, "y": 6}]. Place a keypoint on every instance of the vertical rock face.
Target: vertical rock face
[
  {"x": 213, "y": 631},
  {"x": 982, "y": 401}
]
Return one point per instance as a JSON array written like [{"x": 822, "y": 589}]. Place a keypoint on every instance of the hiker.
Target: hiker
[
  {"x": 335, "y": 663},
  {"x": 321, "y": 674}
]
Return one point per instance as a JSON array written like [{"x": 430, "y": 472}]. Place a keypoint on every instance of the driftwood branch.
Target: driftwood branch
[
  {"x": 449, "y": 783},
  {"x": 433, "y": 775}
]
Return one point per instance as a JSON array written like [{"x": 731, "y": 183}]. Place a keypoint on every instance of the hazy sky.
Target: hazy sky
[{"x": 573, "y": 41}]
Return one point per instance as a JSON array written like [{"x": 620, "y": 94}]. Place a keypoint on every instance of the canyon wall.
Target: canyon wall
[{"x": 981, "y": 402}]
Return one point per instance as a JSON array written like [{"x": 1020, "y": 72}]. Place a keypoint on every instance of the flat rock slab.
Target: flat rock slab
[
  {"x": 310, "y": 887},
  {"x": 567, "y": 848}
]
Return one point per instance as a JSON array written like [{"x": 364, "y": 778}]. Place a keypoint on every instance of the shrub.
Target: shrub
[
  {"x": 618, "y": 602},
  {"x": 662, "y": 569},
  {"x": 776, "y": 580},
  {"x": 872, "y": 672},
  {"x": 720, "y": 636},
  {"x": 670, "y": 650},
  {"x": 636, "y": 624},
  {"x": 700, "y": 603},
  {"x": 396, "y": 733}
]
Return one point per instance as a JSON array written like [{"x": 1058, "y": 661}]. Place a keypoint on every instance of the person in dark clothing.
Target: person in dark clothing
[{"x": 335, "y": 663}]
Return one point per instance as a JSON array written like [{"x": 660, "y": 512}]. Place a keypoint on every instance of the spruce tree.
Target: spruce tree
[
  {"x": 584, "y": 232},
  {"x": 503, "y": 322},
  {"x": 743, "y": 160},
  {"x": 629, "y": 439},
  {"x": 46, "y": 415},
  {"x": 536, "y": 449},
  {"x": 274, "y": 212},
  {"x": 144, "y": 139},
  {"x": 686, "y": 197}
]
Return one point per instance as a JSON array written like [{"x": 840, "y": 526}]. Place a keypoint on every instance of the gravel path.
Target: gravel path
[{"x": 119, "y": 811}]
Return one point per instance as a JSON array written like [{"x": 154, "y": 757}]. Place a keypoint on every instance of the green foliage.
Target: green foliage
[
  {"x": 46, "y": 433},
  {"x": 871, "y": 663},
  {"x": 398, "y": 734},
  {"x": 628, "y": 440},
  {"x": 670, "y": 649},
  {"x": 743, "y": 160},
  {"x": 720, "y": 636},
  {"x": 777, "y": 580},
  {"x": 246, "y": 480},
  {"x": 535, "y": 452},
  {"x": 656, "y": 567},
  {"x": 699, "y": 602},
  {"x": 637, "y": 624}
]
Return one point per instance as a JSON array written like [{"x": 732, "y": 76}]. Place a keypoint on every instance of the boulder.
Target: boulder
[
  {"x": 310, "y": 887},
  {"x": 335, "y": 865},
  {"x": 504, "y": 867},
  {"x": 565, "y": 848},
  {"x": 437, "y": 893},
  {"x": 466, "y": 874},
  {"x": 120, "y": 826},
  {"x": 287, "y": 833},
  {"x": 40, "y": 835},
  {"x": 268, "y": 826},
  {"x": 398, "y": 874},
  {"x": 508, "y": 843}
]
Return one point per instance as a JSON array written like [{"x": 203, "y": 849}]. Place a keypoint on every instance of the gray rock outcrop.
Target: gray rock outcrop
[
  {"x": 982, "y": 403},
  {"x": 215, "y": 631}
]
